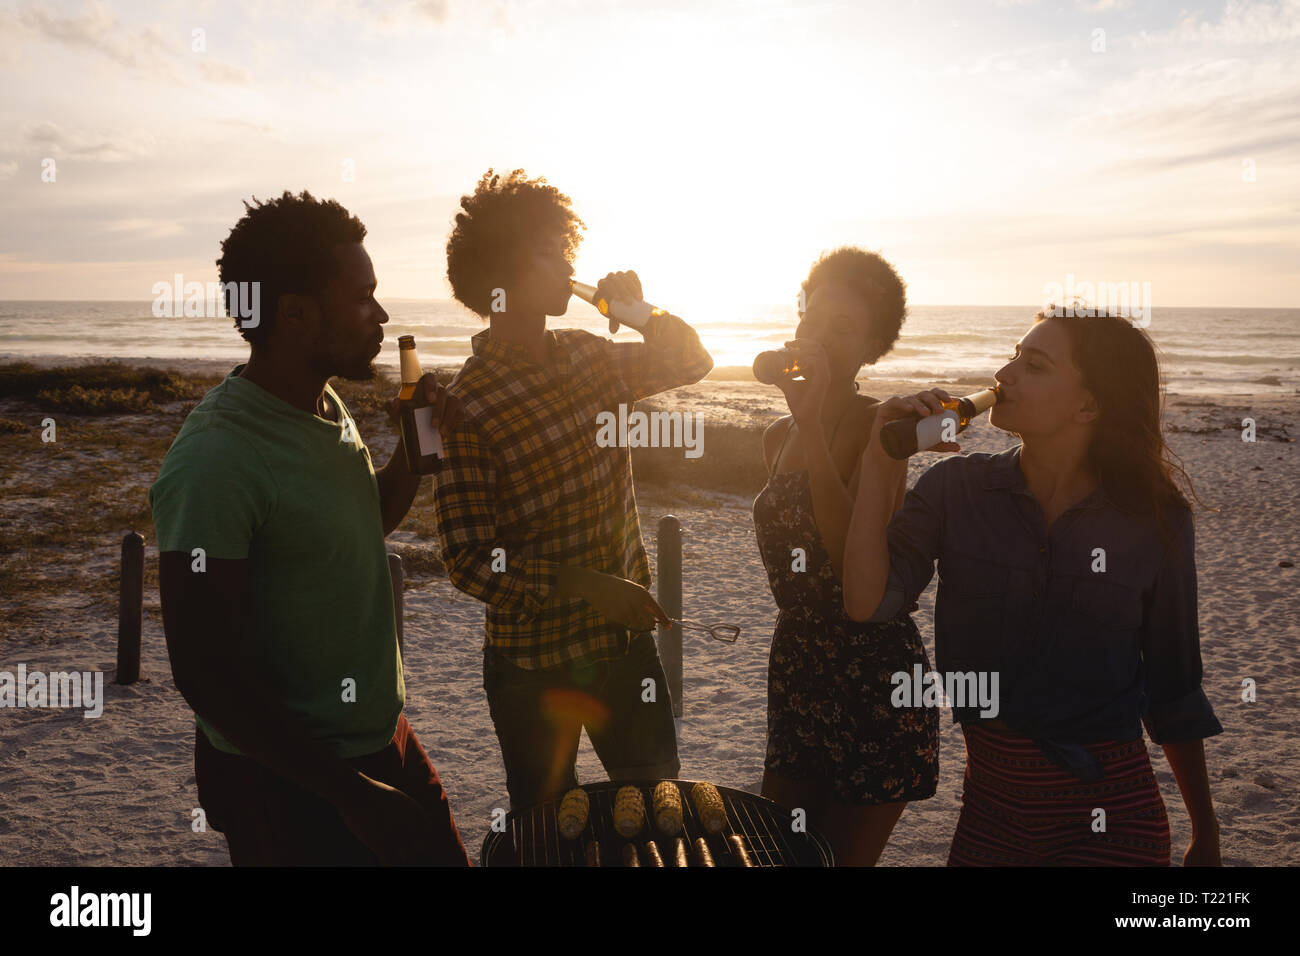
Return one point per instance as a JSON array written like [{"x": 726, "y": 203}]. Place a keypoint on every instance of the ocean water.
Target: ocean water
[{"x": 1211, "y": 350}]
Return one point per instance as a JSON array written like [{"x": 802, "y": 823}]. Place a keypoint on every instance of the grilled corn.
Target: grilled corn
[
  {"x": 668, "y": 807},
  {"x": 572, "y": 815},
  {"x": 709, "y": 808},
  {"x": 629, "y": 812}
]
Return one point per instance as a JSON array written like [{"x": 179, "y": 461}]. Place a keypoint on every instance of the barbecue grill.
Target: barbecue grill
[{"x": 532, "y": 837}]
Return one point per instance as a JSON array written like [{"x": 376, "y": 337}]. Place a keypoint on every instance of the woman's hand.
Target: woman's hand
[
  {"x": 921, "y": 404},
  {"x": 806, "y": 398}
]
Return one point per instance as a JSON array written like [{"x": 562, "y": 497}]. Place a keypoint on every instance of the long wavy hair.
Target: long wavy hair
[{"x": 1135, "y": 466}]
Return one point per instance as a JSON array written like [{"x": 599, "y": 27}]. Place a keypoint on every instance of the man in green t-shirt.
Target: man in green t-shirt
[{"x": 276, "y": 596}]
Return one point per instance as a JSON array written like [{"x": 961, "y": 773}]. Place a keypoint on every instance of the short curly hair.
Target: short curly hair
[
  {"x": 871, "y": 277},
  {"x": 496, "y": 229},
  {"x": 286, "y": 245}
]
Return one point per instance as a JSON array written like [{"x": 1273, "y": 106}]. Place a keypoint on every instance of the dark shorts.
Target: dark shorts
[
  {"x": 539, "y": 716},
  {"x": 269, "y": 821}
]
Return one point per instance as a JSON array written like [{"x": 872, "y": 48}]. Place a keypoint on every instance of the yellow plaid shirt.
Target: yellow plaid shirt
[{"x": 523, "y": 474}]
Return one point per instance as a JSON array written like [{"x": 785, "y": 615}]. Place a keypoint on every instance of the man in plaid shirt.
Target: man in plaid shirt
[{"x": 537, "y": 520}]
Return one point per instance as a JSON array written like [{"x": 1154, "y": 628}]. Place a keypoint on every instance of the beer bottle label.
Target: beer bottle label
[{"x": 426, "y": 433}]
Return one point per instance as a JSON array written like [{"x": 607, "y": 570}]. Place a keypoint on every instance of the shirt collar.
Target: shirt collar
[
  {"x": 1004, "y": 472},
  {"x": 510, "y": 353}
]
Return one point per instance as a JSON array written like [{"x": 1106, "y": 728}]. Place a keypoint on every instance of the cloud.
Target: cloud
[
  {"x": 243, "y": 124},
  {"x": 146, "y": 228},
  {"x": 1101, "y": 6},
  {"x": 219, "y": 71},
  {"x": 435, "y": 10},
  {"x": 52, "y": 140},
  {"x": 1243, "y": 22},
  {"x": 95, "y": 29}
]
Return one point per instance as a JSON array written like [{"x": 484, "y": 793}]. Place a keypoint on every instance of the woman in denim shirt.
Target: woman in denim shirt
[{"x": 1067, "y": 568}]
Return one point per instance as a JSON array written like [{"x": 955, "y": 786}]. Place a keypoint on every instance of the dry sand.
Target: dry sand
[{"x": 119, "y": 790}]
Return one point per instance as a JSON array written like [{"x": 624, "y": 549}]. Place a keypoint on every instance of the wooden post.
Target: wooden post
[
  {"x": 130, "y": 609},
  {"x": 668, "y": 557},
  {"x": 395, "y": 573}
]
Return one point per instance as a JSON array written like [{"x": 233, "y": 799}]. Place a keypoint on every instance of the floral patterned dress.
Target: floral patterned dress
[{"x": 829, "y": 715}]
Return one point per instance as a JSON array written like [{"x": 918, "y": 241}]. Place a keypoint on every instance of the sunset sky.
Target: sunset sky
[{"x": 715, "y": 146}]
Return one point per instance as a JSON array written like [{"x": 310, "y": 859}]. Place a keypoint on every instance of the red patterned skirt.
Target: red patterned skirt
[{"x": 1020, "y": 809}]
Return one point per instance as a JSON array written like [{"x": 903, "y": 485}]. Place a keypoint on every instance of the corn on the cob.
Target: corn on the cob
[
  {"x": 679, "y": 853},
  {"x": 736, "y": 844},
  {"x": 709, "y": 808},
  {"x": 629, "y": 855},
  {"x": 702, "y": 855},
  {"x": 593, "y": 853},
  {"x": 629, "y": 812},
  {"x": 668, "y": 807},
  {"x": 652, "y": 856},
  {"x": 572, "y": 815}
]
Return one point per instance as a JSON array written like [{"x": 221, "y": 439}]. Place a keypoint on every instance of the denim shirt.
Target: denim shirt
[{"x": 1083, "y": 655}]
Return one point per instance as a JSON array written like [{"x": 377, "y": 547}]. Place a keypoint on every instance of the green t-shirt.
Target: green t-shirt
[{"x": 294, "y": 495}]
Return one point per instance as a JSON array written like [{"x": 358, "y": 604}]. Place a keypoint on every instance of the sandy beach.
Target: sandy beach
[{"x": 119, "y": 789}]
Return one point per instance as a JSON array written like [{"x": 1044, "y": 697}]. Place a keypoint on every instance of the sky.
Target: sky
[{"x": 987, "y": 148}]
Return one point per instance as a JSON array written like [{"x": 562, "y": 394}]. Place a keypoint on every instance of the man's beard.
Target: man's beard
[
  {"x": 354, "y": 369},
  {"x": 366, "y": 373}
]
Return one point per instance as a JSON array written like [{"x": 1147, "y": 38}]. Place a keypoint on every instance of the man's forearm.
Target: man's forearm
[
  {"x": 677, "y": 346},
  {"x": 397, "y": 488}
]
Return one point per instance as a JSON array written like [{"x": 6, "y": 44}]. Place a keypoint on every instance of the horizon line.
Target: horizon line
[{"x": 927, "y": 305}]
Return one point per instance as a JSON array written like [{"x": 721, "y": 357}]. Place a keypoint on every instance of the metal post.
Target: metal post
[
  {"x": 130, "y": 608},
  {"x": 395, "y": 573},
  {"x": 669, "y": 561}
]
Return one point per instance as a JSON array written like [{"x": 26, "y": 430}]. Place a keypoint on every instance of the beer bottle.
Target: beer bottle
[
  {"x": 421, "y": 441},
  {"x": 904, "y": 437},
  {"x": 771, "y": 367},
  {"x": 629, "y": 312}
]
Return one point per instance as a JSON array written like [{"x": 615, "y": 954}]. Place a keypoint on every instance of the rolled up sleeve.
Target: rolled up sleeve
[
  {"x": 671, "y": 356},
  {"x": 914, "y": 537},
  {"x": 1176, "y": 706}
]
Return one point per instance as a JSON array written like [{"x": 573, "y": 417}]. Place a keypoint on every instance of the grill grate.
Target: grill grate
[{"x": 532, "y": 836}]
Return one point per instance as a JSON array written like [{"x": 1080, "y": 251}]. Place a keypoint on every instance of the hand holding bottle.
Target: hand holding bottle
[
  {"x": 448, "y": 411},
  {"x": 618, "y": 297},
  {"x": 807, "y": 397},
  {"x": 922, "y": 404}
]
